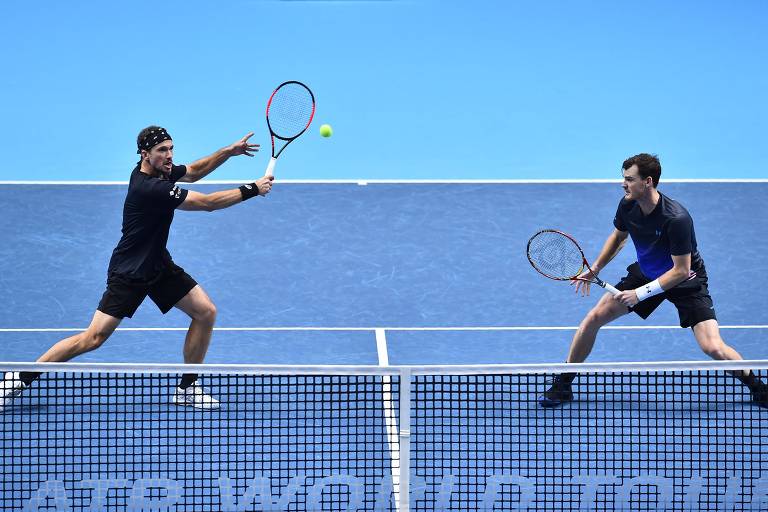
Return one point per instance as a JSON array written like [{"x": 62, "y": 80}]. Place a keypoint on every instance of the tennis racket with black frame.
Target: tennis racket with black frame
[
  {"x": 558, "y": 256},
  {"x": 290, "y": 110}
]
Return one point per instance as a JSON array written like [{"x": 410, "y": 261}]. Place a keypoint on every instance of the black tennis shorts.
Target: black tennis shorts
[
  {"x": 691, "y": 298},
  {"x": 124, "y": 296}
]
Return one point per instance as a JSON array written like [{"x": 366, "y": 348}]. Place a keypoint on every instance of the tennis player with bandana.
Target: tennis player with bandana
[
  {"x": 668, "y": 266},
  {"x": 141, "y": 265}
]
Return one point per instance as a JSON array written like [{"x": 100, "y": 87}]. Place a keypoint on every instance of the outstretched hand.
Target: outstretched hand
[{"x": 243, "y": 147}]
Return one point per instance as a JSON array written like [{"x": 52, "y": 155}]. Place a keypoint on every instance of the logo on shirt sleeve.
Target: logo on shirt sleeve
[{"x": 175, "y": 192}]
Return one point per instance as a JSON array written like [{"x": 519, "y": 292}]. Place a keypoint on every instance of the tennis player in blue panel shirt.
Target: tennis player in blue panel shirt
[
  {"x": 669, "y": 267},
  {"x": 141, "y": 265}
]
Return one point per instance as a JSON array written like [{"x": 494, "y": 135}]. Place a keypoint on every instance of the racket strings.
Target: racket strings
[
  {"x": 555, "y": 255},
  {"x": 290, "y": 111}
]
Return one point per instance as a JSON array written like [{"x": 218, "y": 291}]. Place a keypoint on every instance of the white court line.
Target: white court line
[
  {"x": 389, "y": 416},
  {"x": 381, "y": 347},
  {"x": 364, "y": 181},
  {"x": 369, "y": 329}
]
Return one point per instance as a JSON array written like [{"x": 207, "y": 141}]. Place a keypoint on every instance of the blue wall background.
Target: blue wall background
[{"x": 416, "y": 89}]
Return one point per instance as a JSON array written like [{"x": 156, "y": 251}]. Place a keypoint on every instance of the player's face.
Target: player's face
[
  {"x": 160, "y": 157},
  {"x": 635, "y": 187}
]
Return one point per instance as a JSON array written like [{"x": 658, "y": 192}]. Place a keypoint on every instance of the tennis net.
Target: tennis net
[{"x": 659, "y": 436}]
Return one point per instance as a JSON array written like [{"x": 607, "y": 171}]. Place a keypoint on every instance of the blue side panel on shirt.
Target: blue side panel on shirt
[{"x": 652, "y": 262}]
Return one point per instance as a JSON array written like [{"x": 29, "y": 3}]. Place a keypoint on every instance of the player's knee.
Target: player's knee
[
  {"x": 714, "y": 348},
  {"x": 211, "y": 312},
  {"x": 597, "y": 317},
  {"x": 93, "y": 339},
  {"x": 207, "y": 313}
]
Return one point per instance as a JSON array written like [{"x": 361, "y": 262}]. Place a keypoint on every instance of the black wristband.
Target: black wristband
[{"x": 248, "y": 191}]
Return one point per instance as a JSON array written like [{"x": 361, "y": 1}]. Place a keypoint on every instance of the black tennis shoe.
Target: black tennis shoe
[
  {"x": 558, "y": 393},
  {"x": 759, "y": 394}
]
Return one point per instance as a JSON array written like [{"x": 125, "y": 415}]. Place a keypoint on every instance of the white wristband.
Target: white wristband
[{"x": 649, "y": 290}]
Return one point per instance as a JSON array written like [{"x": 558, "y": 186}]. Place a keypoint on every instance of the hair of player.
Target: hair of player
[
  {"x": 143, "y": 133},
  {"x": 647, "y": 165}
]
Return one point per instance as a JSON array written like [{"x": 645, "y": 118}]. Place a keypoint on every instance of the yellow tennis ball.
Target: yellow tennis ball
[{"x": 326, "y": 130}]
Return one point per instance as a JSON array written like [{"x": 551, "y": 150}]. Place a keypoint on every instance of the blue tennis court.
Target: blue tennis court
[
  {"x": 307, "y": 274},
  {"x": 380, "y": 275}
]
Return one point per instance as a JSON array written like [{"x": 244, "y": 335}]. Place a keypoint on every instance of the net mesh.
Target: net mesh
[
  {"x": 555, "y": 255},
  {"x": 290, "y": 110},
  {"x": 115, "y": 442},
  {"x": 635, "y": 441},
  {"x": 682, "y": 439}
]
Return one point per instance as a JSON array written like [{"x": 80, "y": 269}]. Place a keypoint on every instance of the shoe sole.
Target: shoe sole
[
  {"x": 552, "y": 402},
  {"x": 195, "y": 406}
]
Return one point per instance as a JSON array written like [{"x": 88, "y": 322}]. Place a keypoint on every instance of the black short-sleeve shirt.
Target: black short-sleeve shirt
[
  {"x": 665, "y": 232},
  {"x": 141, "y": 253}
]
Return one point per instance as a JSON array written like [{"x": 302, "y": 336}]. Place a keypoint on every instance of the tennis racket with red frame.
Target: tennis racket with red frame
[
  {"x": 289, "y": 113},
  {"x": 557, "y": 255}
]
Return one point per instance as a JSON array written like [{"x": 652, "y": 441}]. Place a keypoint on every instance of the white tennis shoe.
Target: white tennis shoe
[
  {"x": 194, "y": 396},
  {"x": 10, "y": 388}
]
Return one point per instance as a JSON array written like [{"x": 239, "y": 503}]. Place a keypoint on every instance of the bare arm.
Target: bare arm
[
  {"x": 680, "y": 271},
  {"x": 203, "y": 167},
  {"x": 612, "y": 246},
  {"x": 197, "y": 201}
]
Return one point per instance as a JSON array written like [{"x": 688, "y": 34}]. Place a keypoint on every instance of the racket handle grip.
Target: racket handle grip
[
  {"x": 270, "y": 167},
  {"x": 610, "y": 288}
]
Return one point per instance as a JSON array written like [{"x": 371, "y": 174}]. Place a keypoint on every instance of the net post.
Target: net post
[{"x": 405, "y": 440}]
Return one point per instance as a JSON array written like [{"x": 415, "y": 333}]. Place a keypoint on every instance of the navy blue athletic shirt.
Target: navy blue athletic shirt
[
  {"x": 147, "y": 214},
  {"x": 665, "y": 232}
]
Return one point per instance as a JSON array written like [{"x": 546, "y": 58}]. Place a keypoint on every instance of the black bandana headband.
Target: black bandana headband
[{"x": 152, "y": 139}]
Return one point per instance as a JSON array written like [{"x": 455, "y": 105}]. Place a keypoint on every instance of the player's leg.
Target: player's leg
[
  {"x": 607, "y": 310},
  {"x": 696, "y": 310},
  {"x": 178, "y": 289},
  {"x": 202, "y": 311},
  {"x": 604, "y": 312},
  {"x": 707, "y": 335},
  {"x": 100, "y": 329},
  {"x": 121, "y": 299},
  {"x": 199, "y": 307}
]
